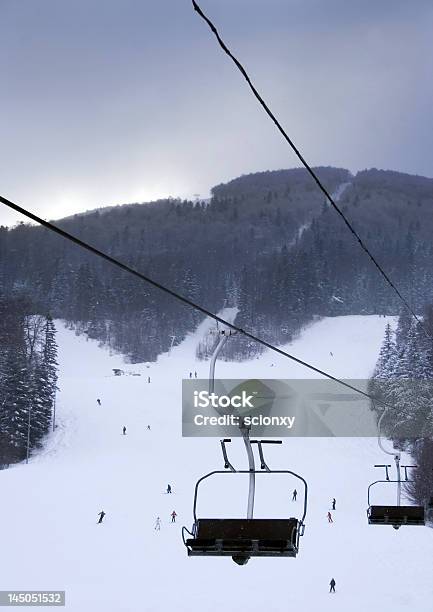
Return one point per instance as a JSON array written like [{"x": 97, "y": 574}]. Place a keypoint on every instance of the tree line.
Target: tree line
[
  {"x": 28, "y": 378},
  {"x": 403, "y": 378},
  {"x": 266, "y": 243}
]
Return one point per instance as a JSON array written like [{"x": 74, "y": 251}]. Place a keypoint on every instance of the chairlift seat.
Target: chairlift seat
[
  {"x": 253, "y": 537},
  {"x": 396, "y": 515}
]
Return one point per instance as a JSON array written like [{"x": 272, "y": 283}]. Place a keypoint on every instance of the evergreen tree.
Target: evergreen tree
[
  {"x": 16, "y": 403},
  {"x": 387, "y": 355}
]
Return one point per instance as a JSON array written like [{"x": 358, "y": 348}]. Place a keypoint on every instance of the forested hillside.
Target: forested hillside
[{"x": 267, "y": 243}]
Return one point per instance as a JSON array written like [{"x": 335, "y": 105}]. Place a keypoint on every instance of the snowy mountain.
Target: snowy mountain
[
  {"x": 50, "y": 538},
  {"x": 275, "y": 248}
]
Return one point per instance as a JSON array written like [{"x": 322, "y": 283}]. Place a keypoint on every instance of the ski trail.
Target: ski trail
[
  {"x": 49, "y": 510},
  {"x": 336, "y": 196}
]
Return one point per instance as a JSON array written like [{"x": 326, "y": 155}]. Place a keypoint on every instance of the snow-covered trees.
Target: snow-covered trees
[
  {"x": 28, "y": 377},
  {"x": 387, "y": 356},
  {"x": 421, "y": 487},
  {"x": 265, "y": 243},
  {"x": 403, "y": 378}
]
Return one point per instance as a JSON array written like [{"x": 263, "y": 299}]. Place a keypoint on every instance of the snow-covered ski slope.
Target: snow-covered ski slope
[{"x": 48, "y": 512}]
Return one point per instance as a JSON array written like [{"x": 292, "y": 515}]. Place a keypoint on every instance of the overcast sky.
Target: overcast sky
[{"x": 107, "y": 102}]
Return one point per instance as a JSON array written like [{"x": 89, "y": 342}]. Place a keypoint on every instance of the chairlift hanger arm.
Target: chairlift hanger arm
[
  {"x": 405, "y": 467},
  {"x": 227, "y": 463},
  {"x": 379, "y": 434},
  {"x": 386, "y": 469},
  {"x": 263, "y": 464}
]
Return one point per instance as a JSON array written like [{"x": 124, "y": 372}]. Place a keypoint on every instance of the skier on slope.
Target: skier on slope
[
  {"x": 195, "y": 374},
  {"x": 148, "y": 427},
  {"x": 157, "y": 524},
  {"x": 173, "y": 516},
  {"x": 99, "y": 401},
  {"x": 148, "y": 379},
  {"x": 190, "y": 374},
  {"x": 334, "y": 501},
  {"x": 168, "y": 488},
  {"x": 124, "y": 430},
  {"x": 295, "y": 493},
  {"x": 101, "y": 516},
  {"x": 330, "y": 518},
  {"x": 332, "y": 586}
]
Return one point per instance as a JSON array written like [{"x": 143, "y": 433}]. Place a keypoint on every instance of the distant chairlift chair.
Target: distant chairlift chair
[{"x": 397, "y": 515}]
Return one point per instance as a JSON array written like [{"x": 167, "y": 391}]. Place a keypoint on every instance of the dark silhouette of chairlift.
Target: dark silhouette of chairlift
[
  {"x": 397, "y": 515},
  {"x": 250, "y": 537}
]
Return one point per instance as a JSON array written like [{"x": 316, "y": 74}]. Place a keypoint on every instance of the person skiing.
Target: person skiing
[
  {"x": 124, "y": 430},
  {"x": 148, "y": 427},
  {"x": 334, "y": 501},
  {"x": 101, "y": 516},
  {"x": 158, "y": 524},
  {"x": 330, "y": 518},
  {"x": 99, "y": 401},
  {"x": 295, "y": 493},
  {"x": 332, "y": 586},
  {"x": 168, "y": 488},
  {"x": 173, "y": 516},
  {"x": 148, "y": 379},
  {"x": 195, "y": 374},
  {"x": 190, "y": 374}
]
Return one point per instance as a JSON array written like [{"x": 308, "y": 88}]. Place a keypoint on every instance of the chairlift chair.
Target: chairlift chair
[
  {"x": 244, "y": 538},
  {"x": 395, "y": 515}
]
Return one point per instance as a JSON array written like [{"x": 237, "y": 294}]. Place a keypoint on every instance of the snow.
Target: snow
[
  {"x": 336, "y": 196},
  {"x": 50, "y": 539}
]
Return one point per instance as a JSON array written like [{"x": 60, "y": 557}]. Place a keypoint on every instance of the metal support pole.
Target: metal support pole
[
  {"x": 244, "y": 430},
  {"x": 396, "y": 456},
  {"x": 379, "y": 434},
  {"x": 397, "y": 465},
  {"x": 216, "y": 352},
  {"x": 252, "y": 480}
]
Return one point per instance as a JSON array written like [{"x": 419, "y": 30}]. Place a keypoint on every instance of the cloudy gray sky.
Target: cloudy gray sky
[{"x": 114, "y": 101}]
